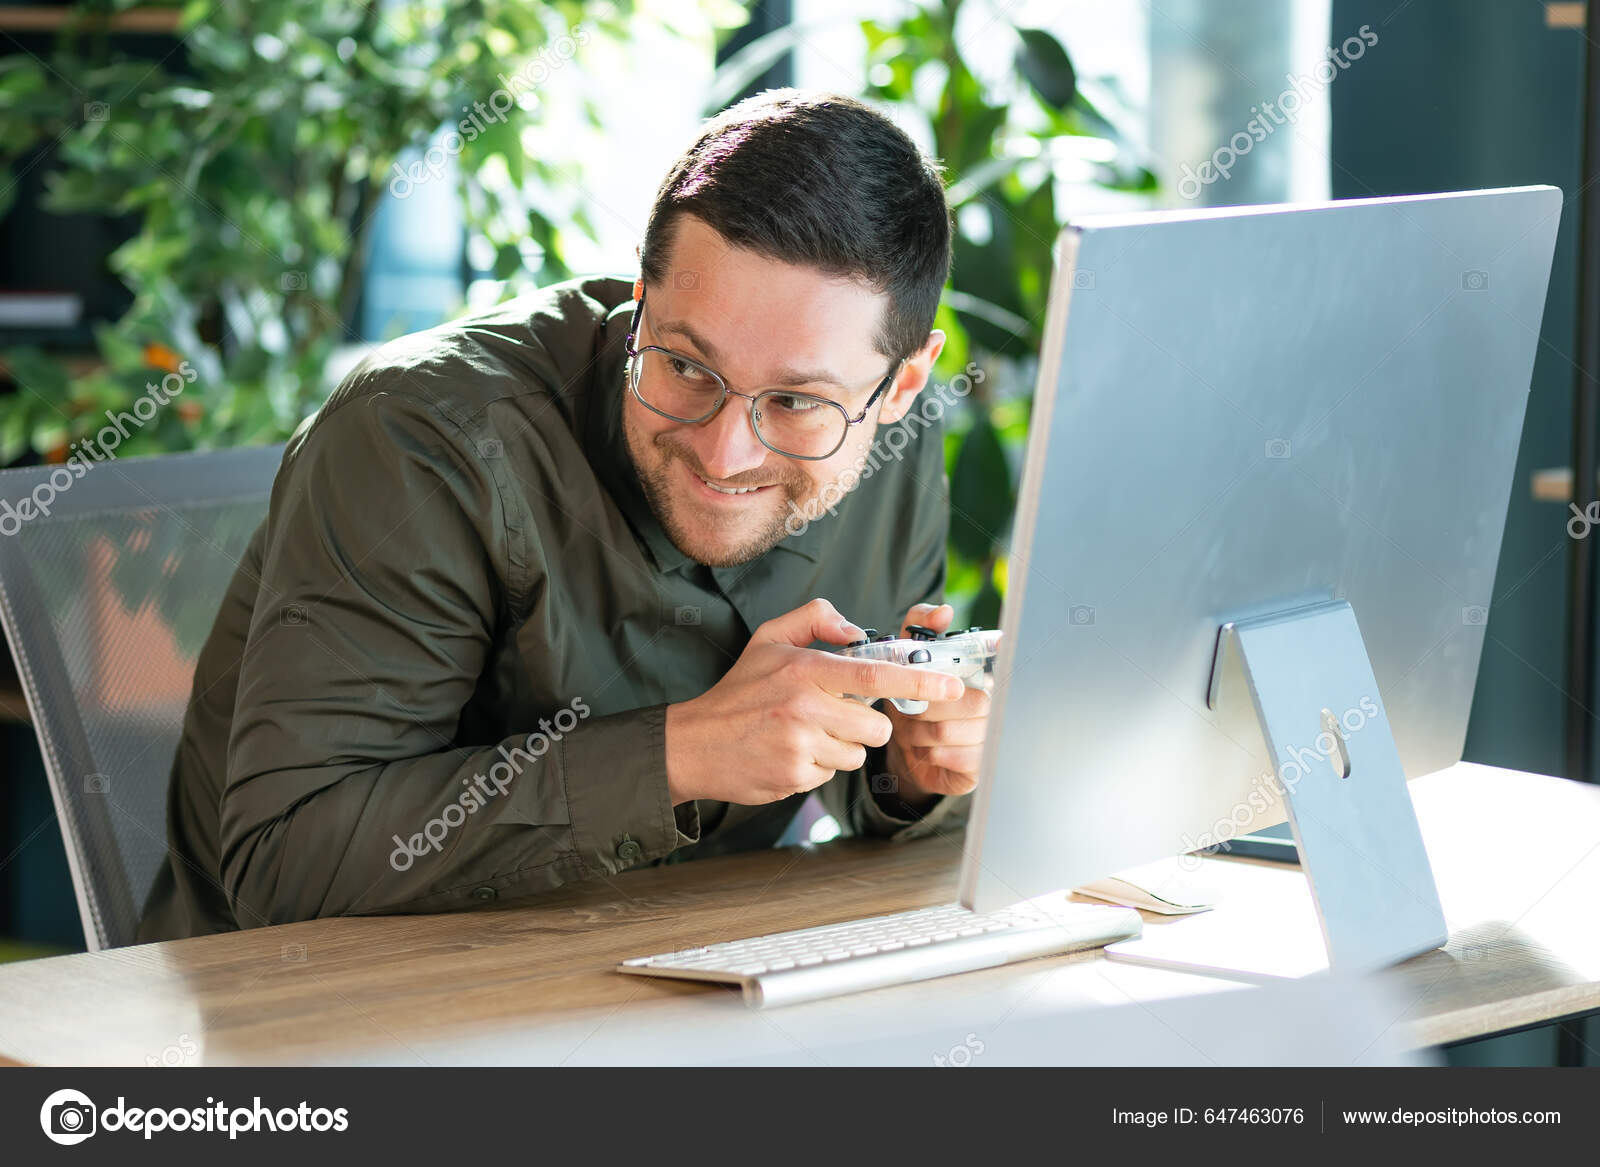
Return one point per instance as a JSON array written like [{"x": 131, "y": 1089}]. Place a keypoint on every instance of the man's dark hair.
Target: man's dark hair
[{"x": 823, "y": 181}]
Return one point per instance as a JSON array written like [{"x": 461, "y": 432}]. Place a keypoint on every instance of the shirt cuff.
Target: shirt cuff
[
  {"x": 886, "y": 815},
  {"x": 615, "y": 770}
]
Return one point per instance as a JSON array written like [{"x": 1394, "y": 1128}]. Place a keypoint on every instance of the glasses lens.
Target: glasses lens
[
  {"x": 677, "y": 387},
  {"x": 793, "y": 423}
]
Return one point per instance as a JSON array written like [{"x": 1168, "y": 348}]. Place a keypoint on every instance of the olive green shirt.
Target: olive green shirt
[{"x": 439, "y": 676}]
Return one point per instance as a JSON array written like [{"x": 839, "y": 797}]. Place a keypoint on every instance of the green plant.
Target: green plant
[
  {"x": 254, "y": 161},
  {"x": 1003, "y": 142}
]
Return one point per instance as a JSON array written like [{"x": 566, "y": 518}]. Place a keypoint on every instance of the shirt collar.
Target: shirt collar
[{"x": 609, "y": 452}]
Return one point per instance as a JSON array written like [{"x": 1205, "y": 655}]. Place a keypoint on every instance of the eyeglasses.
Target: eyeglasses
[{"x": 796, "y": 425}]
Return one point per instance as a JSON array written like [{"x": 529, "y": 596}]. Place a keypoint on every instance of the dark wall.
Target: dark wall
[{"x": 1458, "y": 94}]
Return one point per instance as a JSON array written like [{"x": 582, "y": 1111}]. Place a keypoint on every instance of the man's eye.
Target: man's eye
[
  {"x": 685, "y": 371},
  {"x": 789, "y": 403}
]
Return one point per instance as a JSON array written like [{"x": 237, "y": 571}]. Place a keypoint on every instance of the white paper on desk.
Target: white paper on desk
[{"x": 1167, "y": 886}]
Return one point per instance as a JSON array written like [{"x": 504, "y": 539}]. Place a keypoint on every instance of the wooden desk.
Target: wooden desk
[{"x": 1517, "y": 858}]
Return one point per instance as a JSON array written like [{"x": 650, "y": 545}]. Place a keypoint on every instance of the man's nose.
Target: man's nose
[{"x": 727, "y": 445}]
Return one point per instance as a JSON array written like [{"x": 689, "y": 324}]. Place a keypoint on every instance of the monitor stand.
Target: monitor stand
[{"x": 1308, "y": 677}]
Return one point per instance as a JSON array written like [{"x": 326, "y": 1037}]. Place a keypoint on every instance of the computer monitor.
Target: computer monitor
[{"x": 1260, "y": 513}]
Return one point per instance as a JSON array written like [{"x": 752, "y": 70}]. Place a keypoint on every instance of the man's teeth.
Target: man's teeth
[{"x": 729, "y": 490}]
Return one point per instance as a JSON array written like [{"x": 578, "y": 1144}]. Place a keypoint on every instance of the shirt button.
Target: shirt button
[
  {"x": 484, "y": 893},
  {"x": 629, "y": 851}
]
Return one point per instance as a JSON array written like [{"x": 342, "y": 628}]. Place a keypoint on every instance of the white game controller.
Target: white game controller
[{"x": 968, "y": 655}]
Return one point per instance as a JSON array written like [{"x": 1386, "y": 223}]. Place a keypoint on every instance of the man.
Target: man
[{"x": 538, "y": 593}]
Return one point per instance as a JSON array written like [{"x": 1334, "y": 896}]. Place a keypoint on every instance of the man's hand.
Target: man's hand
[
  {"x": 777, "y": 724},
  {"x": 937, "y": 752}
]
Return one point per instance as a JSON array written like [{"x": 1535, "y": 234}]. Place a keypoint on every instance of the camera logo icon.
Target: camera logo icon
[
  {"x": 686, "y": 616},
  {"x": 1474, "y": 281},
  {"x": 68, "y": 1117},
  {"x": 1278, "y": 448},
  {"x": 292, "y": 615},
  {"x": 1080, "y": 615},
  {"x": 884, "y": 784},
  {"x": 686, "y": 281},
  {"x": 1083, "y": 280}
]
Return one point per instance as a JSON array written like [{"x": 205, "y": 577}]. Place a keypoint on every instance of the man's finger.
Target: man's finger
[
  {"x": 832, "y": 754},
  {"x": 973, "y": 704},
  {"x": 957, "y": 759},
  {"x": 947, "y": 782},
  {"x": 934, "y": 616},
  {"x": 876, "y": 678},
  {"x": 851, "y": 721},
  {"x": 918, "y": 732},
  {"x": 818, "y": 620}
]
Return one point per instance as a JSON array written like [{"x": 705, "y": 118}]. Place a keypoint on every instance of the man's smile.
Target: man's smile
[{"x": 707, "y": 488}]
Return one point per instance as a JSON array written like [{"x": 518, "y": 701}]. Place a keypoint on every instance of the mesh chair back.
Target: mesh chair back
[{"x": 109, "y": 584}]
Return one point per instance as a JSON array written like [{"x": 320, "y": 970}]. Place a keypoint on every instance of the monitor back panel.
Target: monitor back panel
[{"x": 1241, "y": 412}]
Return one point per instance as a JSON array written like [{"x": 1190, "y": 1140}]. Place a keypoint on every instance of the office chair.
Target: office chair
[{"x": 109, "y": 583}]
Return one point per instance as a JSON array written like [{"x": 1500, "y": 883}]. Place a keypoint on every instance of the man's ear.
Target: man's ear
[{"x": 913, "y": 376}]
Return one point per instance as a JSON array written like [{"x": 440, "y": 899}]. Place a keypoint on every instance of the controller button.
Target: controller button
[
  {"x": 884, "y": 639},
  {"x": 857, "y": 643},
  {"x": 920, "y": 656},
  {"x": 919, "y": 632}
]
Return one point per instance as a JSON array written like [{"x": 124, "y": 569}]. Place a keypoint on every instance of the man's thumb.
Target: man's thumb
[
  {"x": 934, "y": 616},
  {"x": 818, "y": 620}
]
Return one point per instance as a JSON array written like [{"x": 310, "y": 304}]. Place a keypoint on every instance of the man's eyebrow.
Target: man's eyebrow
[{"x": 787, "y": 377}]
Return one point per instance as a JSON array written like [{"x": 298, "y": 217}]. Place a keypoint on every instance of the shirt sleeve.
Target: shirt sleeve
[{"x": 381, "y": 601}]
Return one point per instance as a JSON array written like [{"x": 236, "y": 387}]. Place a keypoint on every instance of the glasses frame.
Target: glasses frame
[{"x": 754, "y": 399}]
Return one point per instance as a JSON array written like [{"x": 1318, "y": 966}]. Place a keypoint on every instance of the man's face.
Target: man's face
[{"x": 719, "y": 493}]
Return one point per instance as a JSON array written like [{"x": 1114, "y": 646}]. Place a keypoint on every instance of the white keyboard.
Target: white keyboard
[{"x": 785, "y": 968}]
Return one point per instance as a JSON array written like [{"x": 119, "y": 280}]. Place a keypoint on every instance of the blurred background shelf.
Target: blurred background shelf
[{"x": 48, "y": 18}]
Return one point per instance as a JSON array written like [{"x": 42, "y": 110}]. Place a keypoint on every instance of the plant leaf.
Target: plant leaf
[{"x": 1045, "y": 64}]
